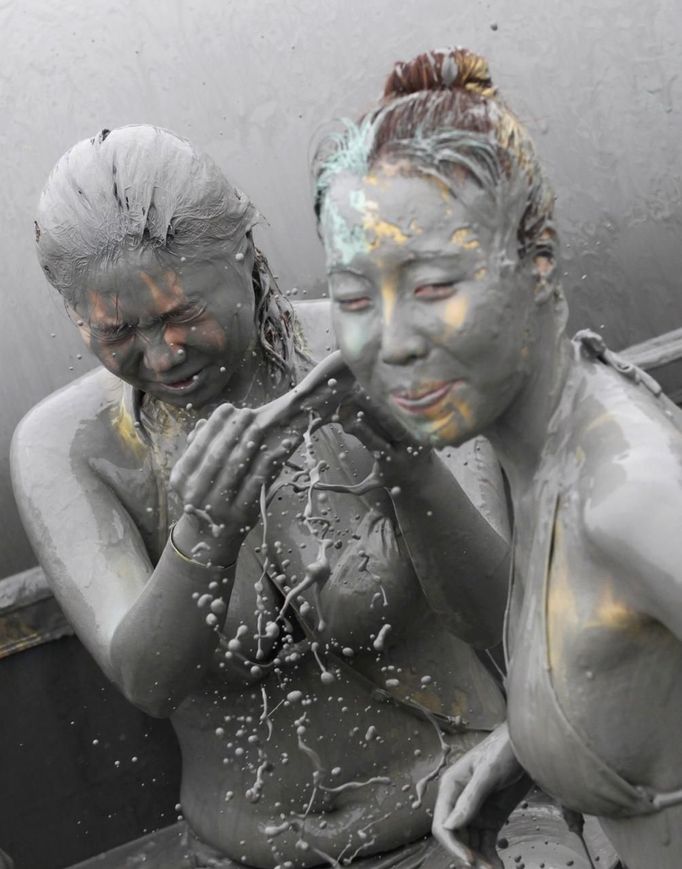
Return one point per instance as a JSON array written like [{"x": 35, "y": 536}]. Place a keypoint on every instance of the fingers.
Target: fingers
[
  {"x": 239, "y": 482},
  {"x": 320, "y": 390},
  {"x": 482, "y": 781},
  {"x": 452, "y": 783},
  {"x": 487, "y": 848},
  {"x": 454, "y": 846},
  {"x": 213, "y": 443},
  {"x": 458, "y": 846},
  {"x": 263, "y": 469}
]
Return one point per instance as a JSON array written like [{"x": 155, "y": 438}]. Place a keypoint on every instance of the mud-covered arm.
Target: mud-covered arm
[
  {"x": 458, "y": 548},
  {"x": 141, "y": 624},
  {"x": 461, "y": 561},
  {"x": 632, "y": 520}
]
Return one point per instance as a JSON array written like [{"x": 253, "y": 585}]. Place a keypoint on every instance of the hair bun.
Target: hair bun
[{"x": 441, "y": 69}]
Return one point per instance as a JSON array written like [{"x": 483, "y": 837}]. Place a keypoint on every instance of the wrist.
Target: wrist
[{"x": 193, "y": 542}]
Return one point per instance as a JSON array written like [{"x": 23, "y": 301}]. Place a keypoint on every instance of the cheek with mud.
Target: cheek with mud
[
  {"x": 110, "y": 357},
  {"x": 208, "y": 335}
]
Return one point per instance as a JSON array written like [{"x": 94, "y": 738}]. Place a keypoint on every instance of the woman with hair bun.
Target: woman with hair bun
[
  {"x": 443, "y": 266},
  {"x": 282, "y": 629}
]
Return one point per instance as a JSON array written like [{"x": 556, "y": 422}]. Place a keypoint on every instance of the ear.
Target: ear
[{"x": 544, "y": 268}]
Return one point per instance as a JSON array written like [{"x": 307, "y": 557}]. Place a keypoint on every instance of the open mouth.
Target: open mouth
[
  {"x": 419, "y": 400},
  {"x": 185, "y": 384}
]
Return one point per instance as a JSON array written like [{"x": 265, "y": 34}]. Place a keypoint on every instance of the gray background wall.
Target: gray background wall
[{"x": 598, "y": 81}]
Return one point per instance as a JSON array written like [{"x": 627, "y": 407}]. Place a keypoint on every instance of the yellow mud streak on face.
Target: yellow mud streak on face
[
  {"x": 464, "y": 409},
  {"x": 562, "y": 605},
  {"x": 382, "y": 230},
  {"x": 389, "y": 297},
  {"x": 445, "y": 420},
  {"x": 455, "y": 311},
  {"x": 464, "y": 237}
]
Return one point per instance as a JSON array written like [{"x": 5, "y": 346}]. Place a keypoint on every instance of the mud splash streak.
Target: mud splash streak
[
  {"x": 265, "y": 715},
  {"x": 423, "y": 783}
]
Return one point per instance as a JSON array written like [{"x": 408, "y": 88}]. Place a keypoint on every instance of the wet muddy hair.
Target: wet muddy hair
[
  {"x": 441, "y": 114},
  {"x": 142, "y": 187}
]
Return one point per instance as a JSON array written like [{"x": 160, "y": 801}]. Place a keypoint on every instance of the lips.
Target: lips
[
  {"x": 422, "y": 398},
  {"x": 183, "y": 384}
]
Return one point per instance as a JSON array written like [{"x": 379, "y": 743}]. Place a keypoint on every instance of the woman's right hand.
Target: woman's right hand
[{"x": 466, "y": 821}]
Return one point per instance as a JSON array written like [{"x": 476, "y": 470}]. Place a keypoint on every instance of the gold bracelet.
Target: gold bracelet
[{"x": 193, "y": 561}]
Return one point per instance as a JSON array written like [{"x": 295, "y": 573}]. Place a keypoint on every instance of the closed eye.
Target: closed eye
[
  {"x": 111, "y": 334},
  {"x": 433, "y": 292},
  {"x": 185, "y": 314},
  {"x": 361, "y": 303}
]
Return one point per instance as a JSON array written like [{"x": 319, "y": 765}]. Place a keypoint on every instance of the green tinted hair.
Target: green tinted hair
[{"x": 442, "y": 116}]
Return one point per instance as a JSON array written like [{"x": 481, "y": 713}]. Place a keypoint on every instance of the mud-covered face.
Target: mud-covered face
[
  {"x": 430, "y": 302},
  {"x": 182, "y": 331}
]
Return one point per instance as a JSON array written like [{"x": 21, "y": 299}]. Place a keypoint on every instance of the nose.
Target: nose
[
  {"x": 401, "y": 343},
  {"x": 160, "y": 354}
]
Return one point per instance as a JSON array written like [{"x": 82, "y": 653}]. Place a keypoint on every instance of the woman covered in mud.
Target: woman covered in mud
[
  {"x": 314, "y": 692},
  {"x": 442, "y": 257}
]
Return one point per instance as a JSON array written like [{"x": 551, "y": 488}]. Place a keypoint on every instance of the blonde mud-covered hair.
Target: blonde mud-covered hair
[{"x": 143, "y": 187}]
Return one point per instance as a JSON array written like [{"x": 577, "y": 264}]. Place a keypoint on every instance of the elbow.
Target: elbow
[
  {"x": 142, "y": 684},
  {"x": 148, "y": 696},
  {"x": 154, "y": 704}
]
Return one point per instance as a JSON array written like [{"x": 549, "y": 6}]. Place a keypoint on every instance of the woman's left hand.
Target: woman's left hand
[
  {"x": 230, "y": 456},
  {"x": 398, "y": 457}
]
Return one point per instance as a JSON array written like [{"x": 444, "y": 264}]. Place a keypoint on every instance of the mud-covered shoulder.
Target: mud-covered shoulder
[
  {"x": 621, "y": 432},
  {"x": 627, "y": 447},
  {"x": 64, "y": 432},
  {"x": 84, "y": 412}
]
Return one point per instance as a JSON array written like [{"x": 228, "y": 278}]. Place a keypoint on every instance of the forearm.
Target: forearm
[
  {"x": 461, "y": 562},
  {"x": 162, "y": 646}
]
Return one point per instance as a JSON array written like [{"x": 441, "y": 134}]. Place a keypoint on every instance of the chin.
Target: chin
[{"x": 447, "y": 431}]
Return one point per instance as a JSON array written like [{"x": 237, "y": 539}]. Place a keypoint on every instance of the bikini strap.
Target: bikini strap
[{"x": 593, "y": 346}]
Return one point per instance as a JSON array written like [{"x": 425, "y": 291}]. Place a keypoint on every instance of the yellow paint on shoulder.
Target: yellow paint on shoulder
[
  {"x": 464, "y": 237},
  {"x": 455, "y": 311},
  {"x": 124, "y": 427},
  {"x": 598, "y": 421}
]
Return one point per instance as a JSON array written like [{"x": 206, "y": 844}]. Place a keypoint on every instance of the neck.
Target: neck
[
  {"x": 253, "y": 386},
  {"x": 520, "y": 434}
]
